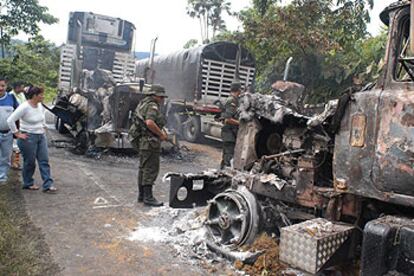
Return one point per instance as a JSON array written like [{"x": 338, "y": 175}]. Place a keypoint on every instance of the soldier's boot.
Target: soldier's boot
[
  {"x": 140, "y": 188},
  {"x": 149, "y": 199},
  {"x": 140, "y": 193}
]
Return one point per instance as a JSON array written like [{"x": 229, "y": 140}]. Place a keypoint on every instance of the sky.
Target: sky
[{"x": 166, "y": 19}]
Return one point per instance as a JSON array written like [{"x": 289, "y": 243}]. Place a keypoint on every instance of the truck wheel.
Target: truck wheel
[
  {"x": 59, "y": 126},
  {"x": 175, "y": 122},
  {"x": 233, "y": 218},
  {"x": 192, "y": 129}
]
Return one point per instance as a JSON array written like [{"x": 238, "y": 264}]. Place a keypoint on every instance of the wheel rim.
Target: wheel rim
[{"x": 232, "y": 218}]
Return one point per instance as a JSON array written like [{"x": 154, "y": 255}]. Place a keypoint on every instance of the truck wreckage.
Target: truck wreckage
[
  {"x": 98, "y": 83},
  {"x": 336, "y": 187}
]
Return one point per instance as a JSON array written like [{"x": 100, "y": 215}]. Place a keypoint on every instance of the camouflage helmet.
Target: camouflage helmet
[
  {"x": 155, "y": 90},
  {"x": 235, "y": 86}
]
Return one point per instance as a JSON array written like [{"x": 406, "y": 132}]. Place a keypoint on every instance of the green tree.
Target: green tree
[
  {"x": 36, "y": 62},
  {"x": 21, "y": 16},
  {"x": 209, "y": 13},
  {"x": 324, "y": 37},
  {"x": 190, "y": 43},
  {"x": 262, "y": 5}
]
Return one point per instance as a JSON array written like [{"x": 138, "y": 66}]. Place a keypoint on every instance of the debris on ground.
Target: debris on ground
[
  {"x": 267, "y": 263},
  {"x": 181, "y": 153},
  {"x": 62, "y": 144},
  {"x": 184, "y": 231},
  {"x": 245, "y": 257},
  {"x": 187, "y": 235}
]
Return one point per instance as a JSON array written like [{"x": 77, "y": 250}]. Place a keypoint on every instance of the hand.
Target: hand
[{"x": 20, "y": 135}]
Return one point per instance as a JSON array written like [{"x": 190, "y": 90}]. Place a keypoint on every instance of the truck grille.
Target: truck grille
[
  {"x": 217, "y": 77},
  {"x": 67, "y": 55}
]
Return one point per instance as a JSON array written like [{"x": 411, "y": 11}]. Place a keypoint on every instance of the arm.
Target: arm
[
  {"x": 152, "y": 126},
  {"x": 232, "y": 121},
  {"x": 230, "y": 114},
  {"x": 44, "y": 116},
  {"x": 11, "y": 121}
]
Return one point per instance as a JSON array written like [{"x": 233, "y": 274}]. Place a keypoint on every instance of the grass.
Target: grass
[{"x": 23, "y": 250}]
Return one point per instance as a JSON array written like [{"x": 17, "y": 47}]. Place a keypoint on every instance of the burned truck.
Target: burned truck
[
  {"x": 197, "y": 82},
  {"x": 96, "y": 59},
  {"x": 336, "y": 187}
]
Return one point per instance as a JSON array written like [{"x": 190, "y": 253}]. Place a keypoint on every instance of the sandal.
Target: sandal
[
  {"x": 50, "y": 190},
  {"x": 31, "y": 188}
]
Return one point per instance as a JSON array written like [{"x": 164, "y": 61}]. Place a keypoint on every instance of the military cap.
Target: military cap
[
  {"x": 158, "y": 90},
  {"x": 235, "y": 86},
  {"x": 154, "y": 90}
]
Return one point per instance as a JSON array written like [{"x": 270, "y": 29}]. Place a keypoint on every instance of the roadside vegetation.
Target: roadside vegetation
[
  {"x": 328, "y": 40},
  {"x": 35, "y": 62},
  {"x": 23, "y": 250}
]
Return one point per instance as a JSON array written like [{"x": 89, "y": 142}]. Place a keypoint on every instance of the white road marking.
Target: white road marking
[
  {"x": 92, "y": 176},
  {"x": 100, "y": 201},
  {"x": 106, "y": 206}
]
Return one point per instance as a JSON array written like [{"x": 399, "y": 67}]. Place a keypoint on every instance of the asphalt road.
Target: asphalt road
[{"x": 88, "y": 224}]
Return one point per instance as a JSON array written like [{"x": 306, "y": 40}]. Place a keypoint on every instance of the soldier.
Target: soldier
[
  {"x": 231, "y": 124},
  {"x": 153, "y": 120}
]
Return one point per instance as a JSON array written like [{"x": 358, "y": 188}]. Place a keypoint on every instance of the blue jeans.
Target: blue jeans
[
  {"x": 32, "y": 148},
  {"x": 6, "y": 148}
]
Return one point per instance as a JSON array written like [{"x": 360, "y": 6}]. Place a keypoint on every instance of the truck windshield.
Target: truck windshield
[{"x": 404, "y": 70}]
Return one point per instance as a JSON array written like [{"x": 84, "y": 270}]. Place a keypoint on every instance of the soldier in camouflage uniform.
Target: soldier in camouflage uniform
[
  {"x": 231, "y": 124},
  {"x": 150, "y": 143}
]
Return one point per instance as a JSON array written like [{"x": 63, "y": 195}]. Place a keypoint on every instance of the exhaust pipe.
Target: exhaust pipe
[
  {"x": 287, "y": 67},
  {"x": 151, "y": 73}
]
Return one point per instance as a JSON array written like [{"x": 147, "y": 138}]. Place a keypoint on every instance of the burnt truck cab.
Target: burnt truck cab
[
  {"x": 335, "y": 185},
  {"x": 374, "y": 148}
]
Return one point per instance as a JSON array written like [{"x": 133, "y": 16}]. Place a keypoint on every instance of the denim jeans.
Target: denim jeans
[
  {"x": 6, "y": 148},
  {"x": 35, "y": 148}
]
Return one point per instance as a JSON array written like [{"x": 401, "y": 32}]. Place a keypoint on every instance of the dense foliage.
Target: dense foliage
[
  {"x": 21, "y": 16},
  {"x": 327, "y": 39},
  {"x": 36, "y": 62}
]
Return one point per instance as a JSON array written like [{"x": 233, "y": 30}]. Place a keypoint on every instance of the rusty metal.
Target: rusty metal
[
  {"x": 359, "y": 122},
  {"x": 351, "y": 162},
  {"x": 383, "y": 167},
  {"x": 340, "y": 185}
]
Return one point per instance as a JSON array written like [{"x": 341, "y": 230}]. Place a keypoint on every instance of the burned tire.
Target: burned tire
[
  {"x": 192, "y": 129},
  {"x": 233, "y": 218},
  {"x": 60, "y": 126}
]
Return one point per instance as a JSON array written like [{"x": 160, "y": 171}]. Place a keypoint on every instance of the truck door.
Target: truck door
[{"x": 394, "y": 162}]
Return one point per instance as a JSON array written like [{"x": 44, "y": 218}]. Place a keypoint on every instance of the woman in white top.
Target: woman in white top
[{"x": 32, "y": 139}]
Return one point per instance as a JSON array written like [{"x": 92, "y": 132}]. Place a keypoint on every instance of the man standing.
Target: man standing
[
  {"x": 231, "y": 124},
  {"x": 18, "y": 93},
  {"x": 149, "y": 112},
  {"x": 8, "y": 104}
]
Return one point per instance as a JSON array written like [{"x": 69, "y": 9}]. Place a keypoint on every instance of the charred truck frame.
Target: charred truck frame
[
  {"x": 336, "y": 187},
  {"x": 96, "y": 58},
  {"x": 197, "y": 82}
]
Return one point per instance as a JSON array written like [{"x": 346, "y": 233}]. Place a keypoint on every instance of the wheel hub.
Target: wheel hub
[
  {"x": 224, "y": 221},
  {"x": 233, "y": 218}
]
